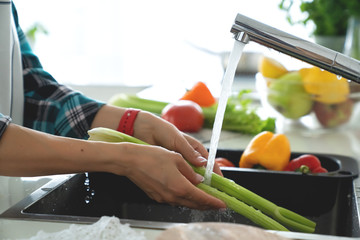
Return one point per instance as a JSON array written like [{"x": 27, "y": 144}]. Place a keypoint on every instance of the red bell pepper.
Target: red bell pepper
[
  {"x": 306, "y": 163},
  {"x": 224, "y": 162}
]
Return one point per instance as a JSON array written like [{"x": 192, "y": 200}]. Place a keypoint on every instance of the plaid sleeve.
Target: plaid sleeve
[
  {"x": 49, "y": 106},
  {"x": 4, "y": 122}
]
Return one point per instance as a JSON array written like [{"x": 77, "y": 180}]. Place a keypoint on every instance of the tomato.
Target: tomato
[
  {"x": 223, "y": 162},
  {"x": 186, "y": 115}
]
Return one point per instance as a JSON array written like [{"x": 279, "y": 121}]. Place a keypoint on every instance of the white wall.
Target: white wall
[{"x": 141, "y": 42}]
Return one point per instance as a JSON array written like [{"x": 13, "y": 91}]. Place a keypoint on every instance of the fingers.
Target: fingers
[
  {"x": 172, "y": 181},
  {"x": 192, "y": 150},
  {"x": 188, "y": 195},
  {"x": 217, "y": 169},
  {"x": 187, "y": 171},
  {"x": 197, "y": 146},
  {"x": 198, "y": 199},
  {"x": 197, "y": 157}
]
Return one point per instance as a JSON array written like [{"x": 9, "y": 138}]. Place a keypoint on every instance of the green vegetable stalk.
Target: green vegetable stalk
[
  {"x": 239, "y": 117},
  {"x": 240, "y": 207},
  {"x": 285, "y": 216},
  {"x": 235, "y": 197},
  {"x": 133, "y": 101}
]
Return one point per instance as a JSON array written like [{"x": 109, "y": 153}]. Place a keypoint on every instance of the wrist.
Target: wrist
[{"x": 126, "y": 124}]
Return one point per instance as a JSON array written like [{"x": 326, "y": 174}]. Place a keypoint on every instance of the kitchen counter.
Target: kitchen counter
[
  {"x": 344, "y": 141},
  {"x": 14, "y": 189}
]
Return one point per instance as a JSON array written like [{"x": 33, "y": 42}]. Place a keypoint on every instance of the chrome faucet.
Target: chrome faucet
[{"x": 246, "y": 29}]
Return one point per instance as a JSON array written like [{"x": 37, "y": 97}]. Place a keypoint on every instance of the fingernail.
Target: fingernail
[
  {"x": 201, "y": 159},
  {"x": 199, "y": 178}
]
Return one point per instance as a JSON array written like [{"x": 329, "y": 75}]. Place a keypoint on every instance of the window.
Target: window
[{"x": 140, "y": 42}]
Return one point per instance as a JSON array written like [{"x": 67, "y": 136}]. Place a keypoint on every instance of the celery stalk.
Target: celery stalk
[
  {"x": 284, "y": 216},
  {"x": 243, "y": 209},
  {"x": 110, "y": 135},
  {"x": 133, "y": 101},
  {"x": 235, "y": 196}
]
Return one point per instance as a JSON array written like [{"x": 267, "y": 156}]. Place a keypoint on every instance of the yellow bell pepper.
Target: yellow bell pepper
[{"x": 269, "y": 150}]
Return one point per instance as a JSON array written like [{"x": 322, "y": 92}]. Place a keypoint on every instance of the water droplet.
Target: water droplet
[
  {"x": 92, "y": 192},
  {"x": 87, "y": 199},
  {"x": 87, "y": 182}
]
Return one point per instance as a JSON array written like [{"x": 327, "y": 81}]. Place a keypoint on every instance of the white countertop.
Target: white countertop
[{"x": 344, "y": 141}]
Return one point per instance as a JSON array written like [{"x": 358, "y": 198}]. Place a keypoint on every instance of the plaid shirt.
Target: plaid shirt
[{"x": 49, "y": 106}]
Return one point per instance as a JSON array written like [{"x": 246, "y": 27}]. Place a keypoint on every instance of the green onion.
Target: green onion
[{"x": 235, "y": 196}]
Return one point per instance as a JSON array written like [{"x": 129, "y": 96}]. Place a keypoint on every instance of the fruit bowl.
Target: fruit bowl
[{"x": 310, "y": 95}]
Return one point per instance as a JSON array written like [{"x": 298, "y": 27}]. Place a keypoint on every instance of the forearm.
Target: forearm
[
  {"x": 25, "y": 152},
  {"x": 108, "y": 116}
]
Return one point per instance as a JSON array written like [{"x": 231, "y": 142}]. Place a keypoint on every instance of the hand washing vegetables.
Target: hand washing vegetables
[
  {"x": 236, "y": 197},
  {"x": 239, "y": 116},
  {"x": 267, "y": 150}
]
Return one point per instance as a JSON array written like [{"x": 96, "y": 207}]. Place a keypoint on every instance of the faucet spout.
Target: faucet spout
[
  {"x": 242, "y": 37},
  {"x": 246, "y": 29}
]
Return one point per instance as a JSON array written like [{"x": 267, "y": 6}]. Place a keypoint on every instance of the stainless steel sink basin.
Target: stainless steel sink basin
[{"x": 329, "y": 199}]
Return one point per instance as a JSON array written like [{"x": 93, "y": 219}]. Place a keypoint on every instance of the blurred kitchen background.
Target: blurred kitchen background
[{"x": 142, "y": 43}]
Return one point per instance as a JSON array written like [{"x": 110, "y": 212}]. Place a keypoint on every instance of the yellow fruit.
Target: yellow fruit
[
  {"x": 325, "y": 86},
  {"x": 270, "y": 68}
]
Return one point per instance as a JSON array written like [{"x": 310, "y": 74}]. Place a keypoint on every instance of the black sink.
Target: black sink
[{"x": 329, "y": 199}]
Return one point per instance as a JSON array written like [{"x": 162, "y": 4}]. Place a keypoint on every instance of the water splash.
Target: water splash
[{"x": 220, "y": 112}]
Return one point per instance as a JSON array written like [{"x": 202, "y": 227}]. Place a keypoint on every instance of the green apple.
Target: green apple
[{"x": 288, "y": 96}]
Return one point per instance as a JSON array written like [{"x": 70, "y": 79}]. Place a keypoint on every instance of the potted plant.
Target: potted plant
[
  {"x": 330, "y": 19},
  {"x": 34, "y": 31},
  {"x": 352, "y": 43}
]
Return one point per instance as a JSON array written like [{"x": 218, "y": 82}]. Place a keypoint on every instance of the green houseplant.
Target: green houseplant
[
  {"x": 330, "y": 19},
  {"x": 352, "y": 43},
  {"x": 34, "y": 31}
]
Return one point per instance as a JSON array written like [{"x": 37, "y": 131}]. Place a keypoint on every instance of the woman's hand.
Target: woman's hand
[
  {"x": 156, "y": 131},
  {"x": 161, "y": 169},
  {"x": 166, "y": 177}
]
